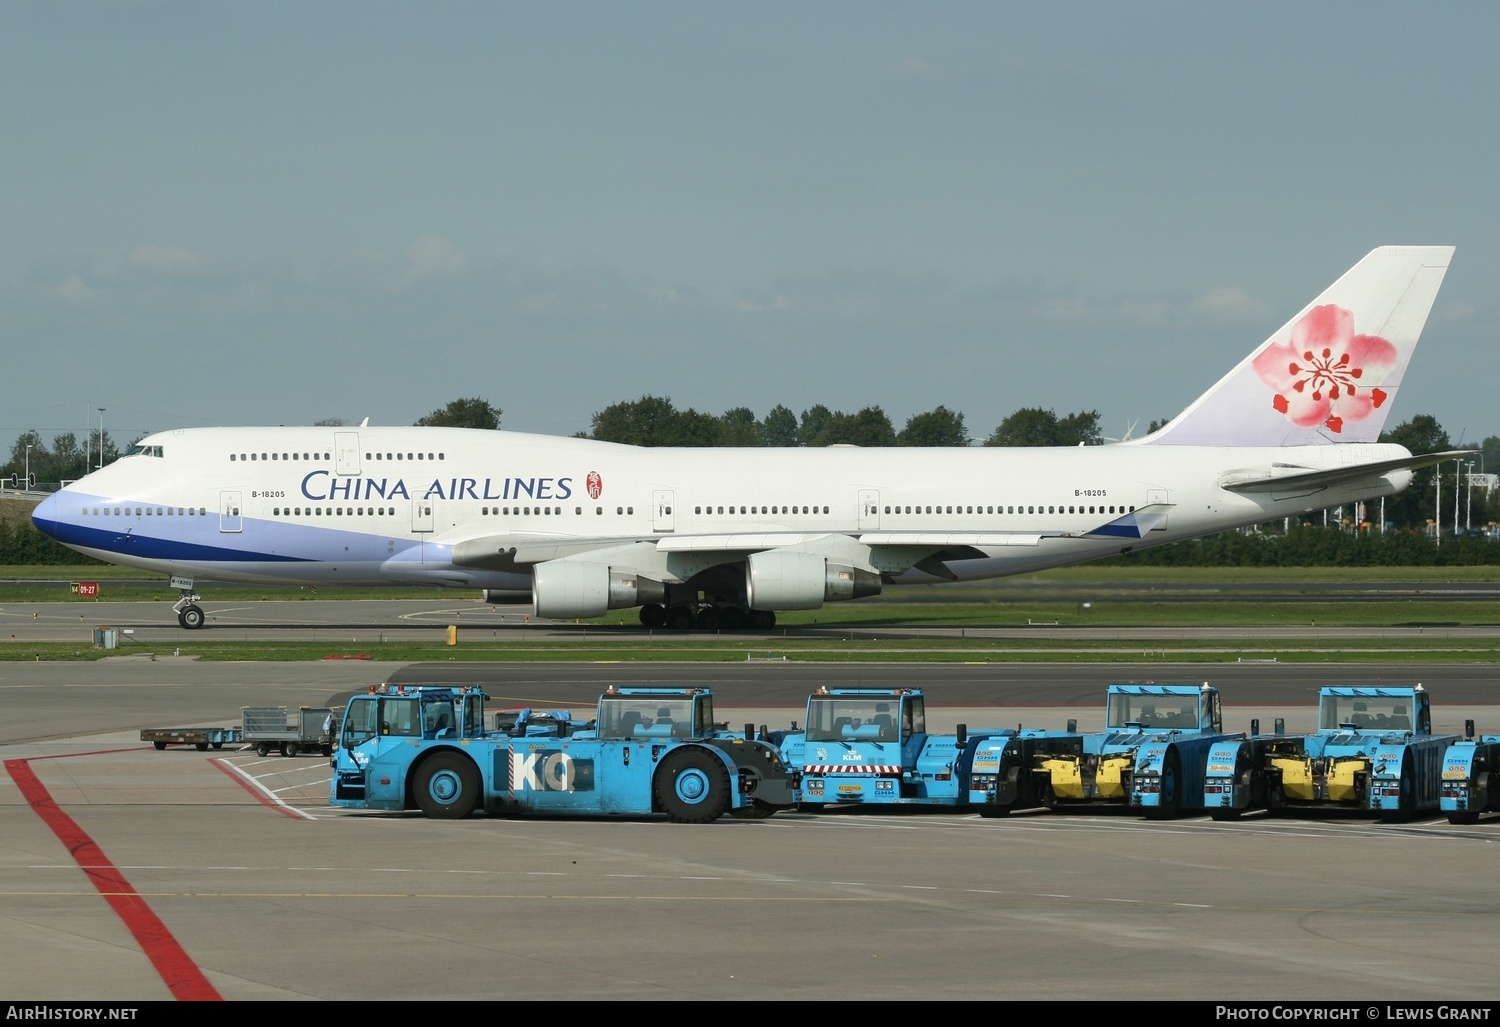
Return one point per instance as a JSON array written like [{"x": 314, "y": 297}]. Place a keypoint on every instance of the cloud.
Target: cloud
[
  {"x": 74, "y": 290},
  {"x": 171, "y": 260},
  {"x": 432, "y": 255},
  {"x": 1230, "y": 303}
]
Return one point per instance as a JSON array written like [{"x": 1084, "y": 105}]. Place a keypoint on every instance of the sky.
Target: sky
[{"x": 281, "y": 213}]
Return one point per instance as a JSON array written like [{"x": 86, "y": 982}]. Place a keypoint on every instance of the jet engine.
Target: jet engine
[
  {"x": 568, "y": 588},
  {"x": 506, "y": 596},
  {"x": 779, "y": 580}
]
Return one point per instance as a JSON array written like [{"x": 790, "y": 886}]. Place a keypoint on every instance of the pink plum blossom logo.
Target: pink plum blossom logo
[{"x": 1325, "y": 374}]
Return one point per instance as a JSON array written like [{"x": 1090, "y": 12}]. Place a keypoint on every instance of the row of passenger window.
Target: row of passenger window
[
  {"x": 1001, "y": 510},
  {"x": 545, "y": 511},
  {"x": 379, "y": 511},
  {"x": 336, "y": 511},
  {"x": 145, "y": 511},
  {"x": 762, "y": 509},
  {"x": 246, "y": 457}
]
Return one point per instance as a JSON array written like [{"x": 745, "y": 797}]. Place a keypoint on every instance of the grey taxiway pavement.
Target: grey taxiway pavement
[{"x": 266, "y": 893}]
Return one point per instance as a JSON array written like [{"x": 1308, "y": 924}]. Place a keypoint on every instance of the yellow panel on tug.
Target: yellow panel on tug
[
  {"x": 1296, "y": 777},
  {"x": 1067, "y": 778},
  {"x": 1340, "y": 784}
]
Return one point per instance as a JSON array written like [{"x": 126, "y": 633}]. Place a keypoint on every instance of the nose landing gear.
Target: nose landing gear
[{"x": 189, "y": 613}]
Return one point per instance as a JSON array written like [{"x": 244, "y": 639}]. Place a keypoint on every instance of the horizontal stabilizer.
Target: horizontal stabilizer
[
  {"x": 1295, "y": 477},
  {"x": 1133, "y": 525}
]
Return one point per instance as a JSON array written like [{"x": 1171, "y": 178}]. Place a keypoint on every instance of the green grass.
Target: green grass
[
  {"x": 1116, "y": 599},
  {"x": 853, "y": 647}
]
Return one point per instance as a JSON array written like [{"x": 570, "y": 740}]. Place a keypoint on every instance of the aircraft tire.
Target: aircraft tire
[
  {"x": 692, "y": 786},
  {"x": 653, "y": 615},
  {"x": 191, "y": 617},
  {"x": 680, "y": 618},
  {"x": 447, "y": 786},
  {"x": 762, "y": 620}
]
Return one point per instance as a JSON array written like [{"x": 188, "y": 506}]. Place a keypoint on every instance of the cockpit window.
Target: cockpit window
[{"x": 139, "y": 450}]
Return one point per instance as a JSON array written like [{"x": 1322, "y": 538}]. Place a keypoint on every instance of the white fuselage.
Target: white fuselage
[{"x": 373, "y": 506}]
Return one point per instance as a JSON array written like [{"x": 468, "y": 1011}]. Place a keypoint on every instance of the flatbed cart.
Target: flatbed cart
[
  {"x": 201, "y": 738},
  {"x": 306, "y": 730}
]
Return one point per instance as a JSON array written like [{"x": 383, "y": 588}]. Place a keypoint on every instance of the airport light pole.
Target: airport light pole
[
  {"x": 1458, "y": 477},
  {"x": 101, "y": 438},
  {"x": 27, "y": 486},
  {"x": 1469, "y": 498}
]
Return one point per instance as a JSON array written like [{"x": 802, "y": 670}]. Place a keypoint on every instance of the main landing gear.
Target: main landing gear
[
  {"x": 189, "y": 613},
  {"x": 706, "y": 617}
]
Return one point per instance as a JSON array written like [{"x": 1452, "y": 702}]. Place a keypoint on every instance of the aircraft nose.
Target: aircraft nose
[{"x": 45, "y": 516}]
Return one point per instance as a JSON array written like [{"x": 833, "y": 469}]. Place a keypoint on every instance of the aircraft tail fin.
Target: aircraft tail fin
[{"x": 1330, "y": 374}]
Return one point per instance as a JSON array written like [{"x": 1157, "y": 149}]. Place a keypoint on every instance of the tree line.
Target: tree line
[
  {"x": 654, "y": 421},
  {"x": 1436, "y": 493}
]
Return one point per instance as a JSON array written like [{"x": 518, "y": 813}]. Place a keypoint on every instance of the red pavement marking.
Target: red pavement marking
[
  {"x": 259, "y": 796},
  {"x": 178, "y": 971}
]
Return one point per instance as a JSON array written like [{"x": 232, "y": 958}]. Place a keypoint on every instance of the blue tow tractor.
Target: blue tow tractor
[
  {"x": 1149, "y": 757},
  {"x": 647, "y": 751},
  {"x": 1470, "y": 784},
  {"x": 1373, "y": 751},
  {"x": 871, "y": 746}
]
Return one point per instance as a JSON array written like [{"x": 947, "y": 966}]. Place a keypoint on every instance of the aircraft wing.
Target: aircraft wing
[
  {"x": 890, "y": 551},
  {"x": 1284, "y": 476}
]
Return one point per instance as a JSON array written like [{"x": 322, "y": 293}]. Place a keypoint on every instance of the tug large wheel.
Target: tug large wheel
[
  {"x": 692, "y": 787},
  {"x": 447, "y": 786},
  {"x": 1406, "y": 802},
  {"x": 755, "y": 811},
  {"x": 1171, "y": 789}
]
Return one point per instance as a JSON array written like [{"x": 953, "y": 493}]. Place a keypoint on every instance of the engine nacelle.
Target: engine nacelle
[
  {"x": 506, "y": 596},
  {"x": 803, "y": 581},
  {"x": 567, "y": 588}
]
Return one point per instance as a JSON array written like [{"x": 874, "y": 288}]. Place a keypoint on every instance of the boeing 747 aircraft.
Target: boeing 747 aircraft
[{"x": 725, "y": 538}]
